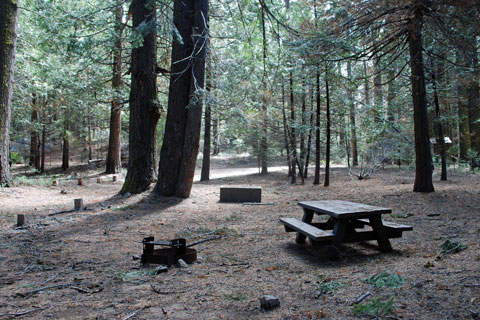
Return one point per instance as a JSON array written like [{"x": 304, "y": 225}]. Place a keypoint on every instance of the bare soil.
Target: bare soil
[{"x": 79, "y": 265}]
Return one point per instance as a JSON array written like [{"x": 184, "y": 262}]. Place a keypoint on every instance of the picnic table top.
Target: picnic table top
[{"x": 343, "y": 209}]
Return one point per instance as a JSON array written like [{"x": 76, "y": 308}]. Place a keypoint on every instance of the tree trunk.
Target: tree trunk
[
  {"x": 113, "y": 162},
  {"x": 182, "y": 129},
  {"x": 263, "y": 139},
  {"x": 301, "y": 170},
  {"x": 285, "y": 131},
  {"x": 352, "y": 113},
  {"x": 309, "y": 139},
  {"x": 293, "y": 143},
  {"x": 423, "y": 157},
  {"x": 44, "y": 136},
  {"x": 205, "y": 175},
  {"x": 327, "y": 151},
  {"x": 316, "y": 179},
  {"x": 144, "y": 107},
  {"x": 8, "y": 40},
  {"x": 474, "y": 101},
  {"x": 463, "y": 115},
  {"x": 66, "y": 144},
  {"x": 438, "y": 125},
  {"x": 34, "y": 136}
]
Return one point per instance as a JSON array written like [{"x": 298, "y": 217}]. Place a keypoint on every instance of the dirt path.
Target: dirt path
[{"x": 82, "y": 261}]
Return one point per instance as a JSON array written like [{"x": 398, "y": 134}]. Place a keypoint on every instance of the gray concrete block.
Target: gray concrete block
[{"x": 240, "y": 194}]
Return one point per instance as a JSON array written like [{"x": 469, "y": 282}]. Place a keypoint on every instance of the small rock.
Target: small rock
[
  {"x": 182, "y": 263},
  {"x": 161, "y": 269},
  {"x": 63, "y": 191},
  {"x": 269, "y": 302},
  {"x": 135, "y": 257},
  {"x": 127, "y": 195}
]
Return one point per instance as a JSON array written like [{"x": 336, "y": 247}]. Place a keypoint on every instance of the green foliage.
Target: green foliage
[
  {"x": 449, "y": 246},
  {"x": 40, "y": 181},
  {"x": 375, "y": 307},
  {"x": 384, "y": 279},
  {"x": 235, "y": 297},
  {"x": 329, "y": 287},
  {"x": 15, "y": 157}
]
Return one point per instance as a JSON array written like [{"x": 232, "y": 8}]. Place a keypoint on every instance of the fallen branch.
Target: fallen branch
[
  {"x": 362, "y": 297},
  {"x": 60, "y": 212},
  {"x": 202, "y": 241},
  {"x": 19, "y": 314},
  {"x": 58, "y": 286},
  {"x": 165, "y": 292},
  {"x": 133, "y": 314}
]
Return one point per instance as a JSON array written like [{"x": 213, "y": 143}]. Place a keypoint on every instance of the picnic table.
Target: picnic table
[{"x": 347, "y": 221}]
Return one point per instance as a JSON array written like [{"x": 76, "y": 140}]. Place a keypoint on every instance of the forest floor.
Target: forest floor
[{"x": 80, "y": 265}]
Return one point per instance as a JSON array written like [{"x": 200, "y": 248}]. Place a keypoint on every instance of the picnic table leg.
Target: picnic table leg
[
  {"x": 380, "y": 234},
  {"x": 307, "y": 218},
  {"x": 339, "y": 231}
]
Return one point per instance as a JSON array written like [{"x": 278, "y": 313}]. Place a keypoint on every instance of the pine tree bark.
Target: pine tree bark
[
  {"x": 44, "y": 136},
  {"x": 316, "y": 179},
  {"x": 34, "y": 136},
  {"x": 113, "y": 162},
  {"x": 309, "y": 139},
  {"x": 66, "y": 144},
  {"x": 301, "y": 170},
  {"x": 8, "y": 40},
  {"x": 474, "y": 101},
  {"x": 205, "y": 174},
  {"x": 263, "y": 139},
  {"x": 352, "y": 113},
  {"x": 293, "y": 143},
  {"x": 326, "y": 182},
  {"x": 423, "y": 157},
  {"x": 463, "y": 114},
  {"x": 285, "y": 131},
  {"x": 182, "y": 129},
  {"x": 438, "y": 124},
  {"x": 144, "y": 107}
]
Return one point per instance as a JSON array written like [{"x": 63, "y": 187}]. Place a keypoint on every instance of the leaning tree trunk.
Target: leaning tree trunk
[
  {"x": 8, "y": 40},
  {"x": 113, "y": 156},
  {"x": 182, "y": 129},
  {"x": 423, "y": 156},
  {"x": 144, "y": 108}
]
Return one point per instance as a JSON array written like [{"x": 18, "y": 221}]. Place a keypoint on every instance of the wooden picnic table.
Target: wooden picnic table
[{"x": 346, "y": 220}]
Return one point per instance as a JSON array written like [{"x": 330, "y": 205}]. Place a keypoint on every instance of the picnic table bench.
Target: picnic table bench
[{"x": 342, "y": 227}]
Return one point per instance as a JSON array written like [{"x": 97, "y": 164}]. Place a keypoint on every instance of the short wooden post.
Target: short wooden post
[
  {"x": 78, "y": 204},
  {"x": 99, "y": 180},
  {"x": 80, "y": 181},
  {"x": 114, "y": 178},
  {"x": 55, "y": 182},
  {"x": 20, "y": 220}
]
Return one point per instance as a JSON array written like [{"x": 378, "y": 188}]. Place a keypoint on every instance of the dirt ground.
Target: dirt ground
[{"x": 80, "y": 265}]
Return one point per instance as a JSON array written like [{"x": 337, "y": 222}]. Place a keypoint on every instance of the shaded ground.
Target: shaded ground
[{"x": 83, "y": 262}]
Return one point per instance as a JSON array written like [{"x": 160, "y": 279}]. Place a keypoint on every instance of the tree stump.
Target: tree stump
[
  {"x": 114, "y": 178},
  {"x": 55, "y": 182},
  {"x": 78, "y": 204},
  {"x": 80, "y": 181},
  {"x": 20, "y": 220},
  {"x": 99, "y": 180}
]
